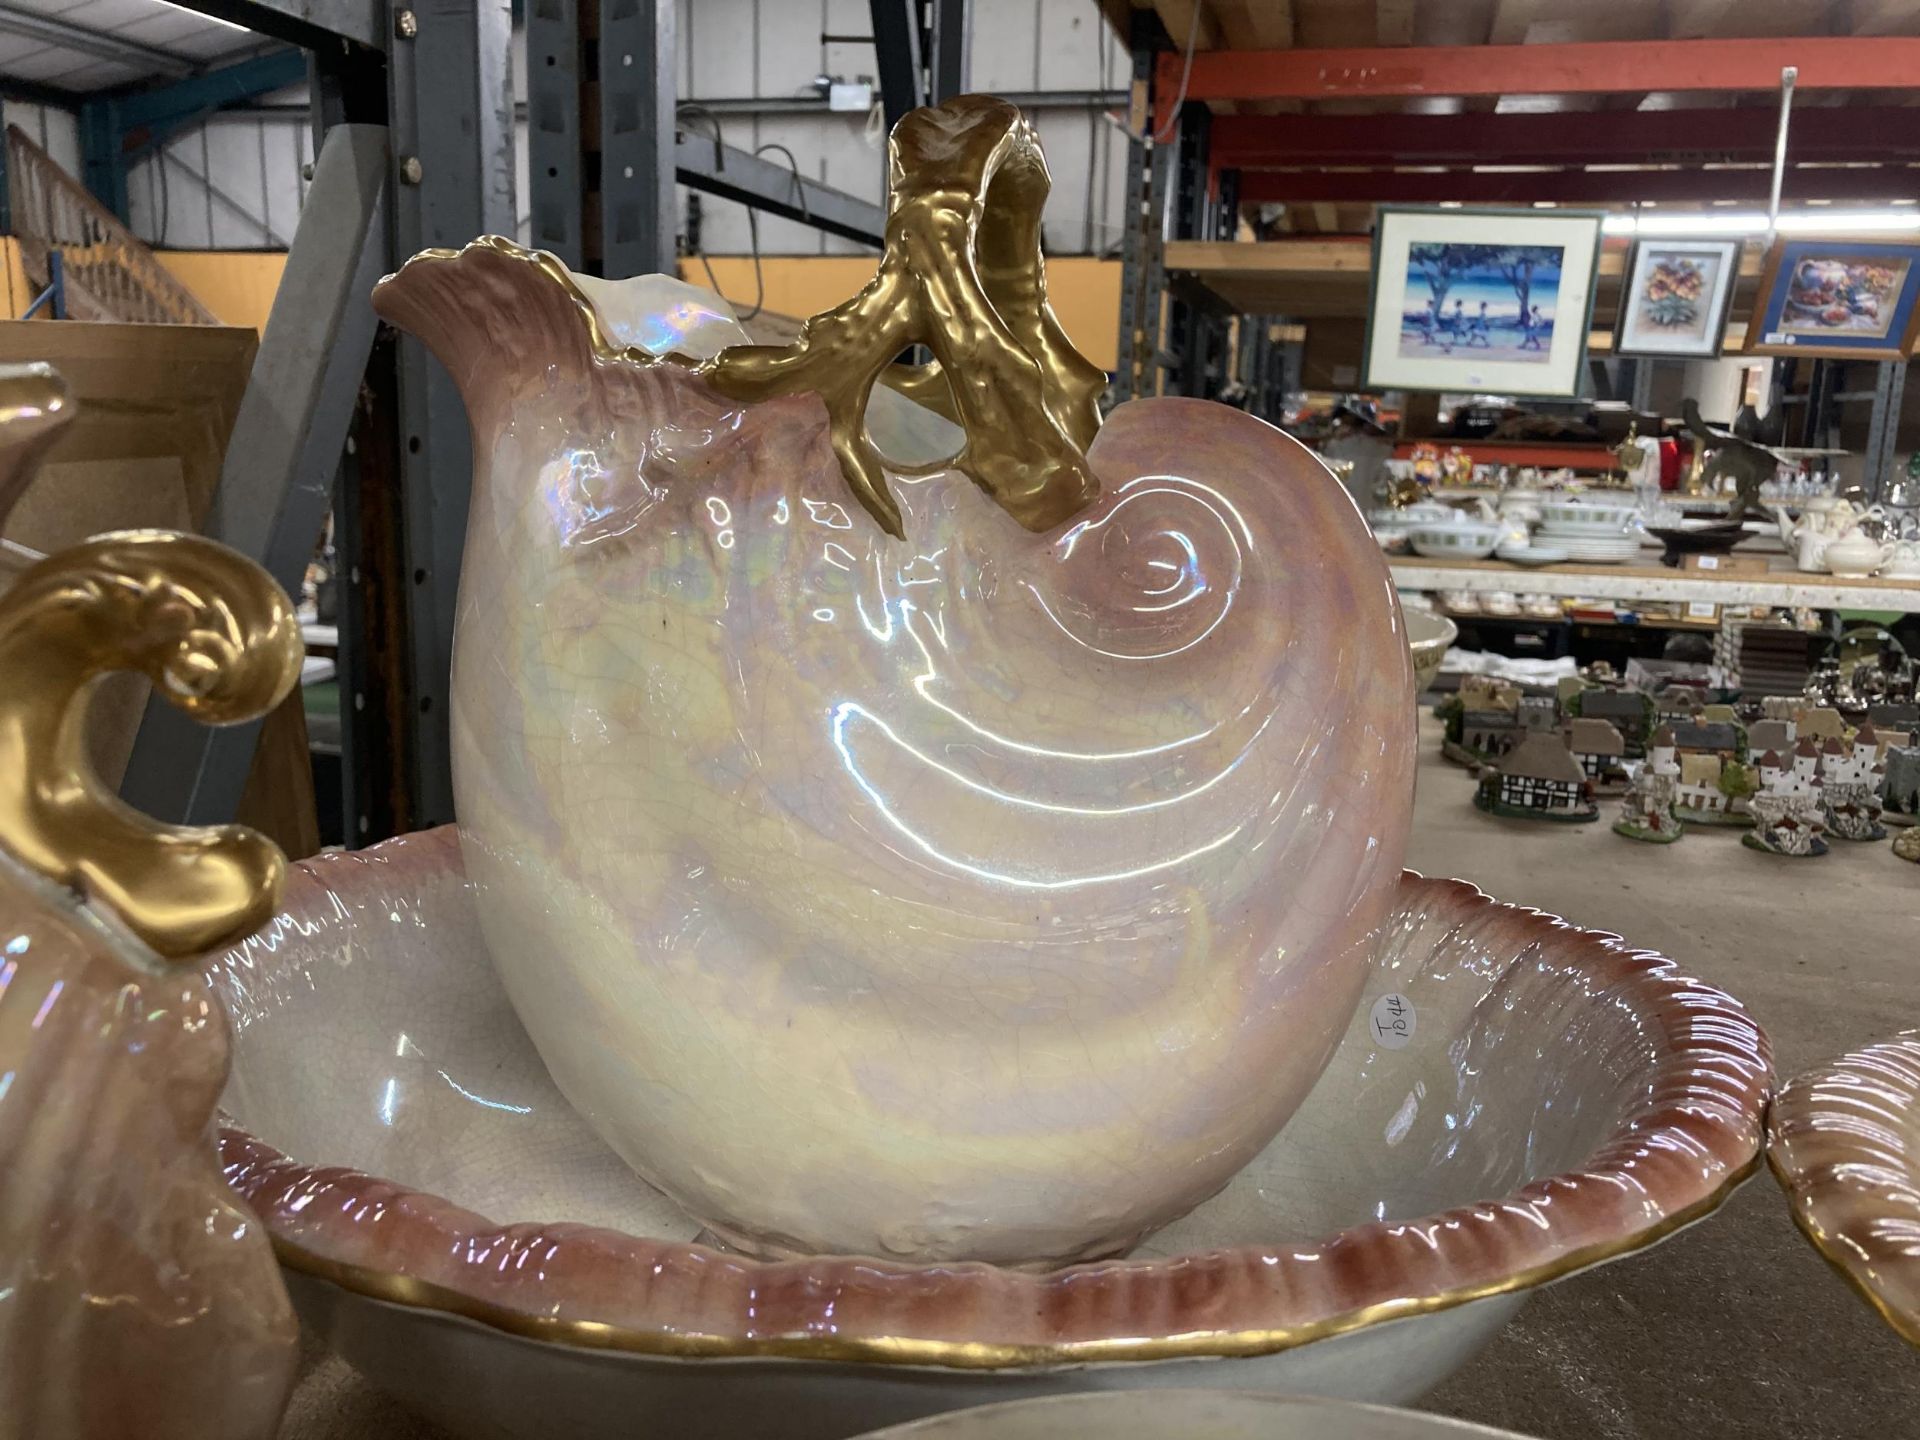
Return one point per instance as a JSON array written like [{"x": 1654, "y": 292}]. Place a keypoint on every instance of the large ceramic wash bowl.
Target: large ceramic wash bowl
[{"x": 1550, "y": 1100}]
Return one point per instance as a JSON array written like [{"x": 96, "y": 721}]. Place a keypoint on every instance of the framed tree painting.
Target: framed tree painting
[
  {"x": 1674, "y": 297},
  {"x": 1837, "y": 298},
  {"x": 1481, "y": 300}
]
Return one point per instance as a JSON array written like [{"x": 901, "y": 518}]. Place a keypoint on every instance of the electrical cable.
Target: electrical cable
[{"x": 1161, "y": 137}]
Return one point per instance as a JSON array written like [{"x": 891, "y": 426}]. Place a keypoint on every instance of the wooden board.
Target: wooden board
[
  {"x": 1333, "y": 277},
  {"x": 156, "y": 406}
]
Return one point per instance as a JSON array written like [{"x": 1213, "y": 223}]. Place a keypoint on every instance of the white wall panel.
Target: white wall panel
[
  {"x": 718, "y": 43},
  {"x": 1071, "y": 46},
  {"x": 789, "y": 50},
  {"x": 54, "y": 130},
  {"x": 1005, "y": 40},
  {"x": 730, "y": 49}
]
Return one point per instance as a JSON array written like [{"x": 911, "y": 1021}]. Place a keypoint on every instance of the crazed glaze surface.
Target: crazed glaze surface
[
  {"x": 1561, "y": 1099},
  {"x": 138, "y": 1297},
  {"x": 1844, "y": 1142},
  {"x": 986, "y": 895}
]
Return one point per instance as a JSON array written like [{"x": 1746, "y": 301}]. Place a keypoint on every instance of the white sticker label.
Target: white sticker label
[
  {"x": 1707, "y": 562},
  {"x": 1393, "y": 1021}
]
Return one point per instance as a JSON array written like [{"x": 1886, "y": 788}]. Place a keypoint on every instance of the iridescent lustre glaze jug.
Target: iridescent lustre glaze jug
[
  {"x": 138, "y": 1296},
  {"x": 889, "y": 853}
]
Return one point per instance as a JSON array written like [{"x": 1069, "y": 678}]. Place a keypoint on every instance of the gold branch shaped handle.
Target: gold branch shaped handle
[
  {"x": 219, "y": 639},
  {"x": 961, "y": 273}
]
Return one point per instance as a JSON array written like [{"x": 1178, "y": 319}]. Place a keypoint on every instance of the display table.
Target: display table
[{"x": 1782, "y": 585}]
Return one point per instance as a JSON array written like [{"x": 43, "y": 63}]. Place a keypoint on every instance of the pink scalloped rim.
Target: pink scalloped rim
[
  {"x": 1843, "y": 1140},
  {"x": 1694, "y": 1135}
]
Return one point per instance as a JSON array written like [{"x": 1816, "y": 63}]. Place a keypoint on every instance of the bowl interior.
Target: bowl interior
[{"x": 371, "y": 1032}]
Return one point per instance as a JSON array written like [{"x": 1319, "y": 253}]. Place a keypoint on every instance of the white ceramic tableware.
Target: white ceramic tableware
[
  {"x": 1856, "y": 553},
  {"x": 1461, "y": 540},
  {"x": 1588, "y": 512},
  {"x": 1429, "y": 633},
  {"x": 1531, "y": 554}
]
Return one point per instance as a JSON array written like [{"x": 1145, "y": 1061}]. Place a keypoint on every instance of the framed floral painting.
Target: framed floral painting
[
  {"x": 1837, "y": 298},
  {"x": 1674, "y": 296},
  {"x": 1481, "y": 300}
]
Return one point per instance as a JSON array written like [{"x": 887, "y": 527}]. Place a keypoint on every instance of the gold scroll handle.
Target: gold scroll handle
[
  {"x": 218, "y": 638},
  {"x": 962, "y": 274}
]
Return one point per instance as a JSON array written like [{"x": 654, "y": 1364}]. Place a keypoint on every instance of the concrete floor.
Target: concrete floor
[{"x": 1733, "y": 1328}]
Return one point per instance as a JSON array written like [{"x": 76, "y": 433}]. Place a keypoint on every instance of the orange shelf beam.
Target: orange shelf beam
[{"x": 1604, "y": 67}]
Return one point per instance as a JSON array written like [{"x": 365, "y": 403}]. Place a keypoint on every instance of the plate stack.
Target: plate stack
[{"x": 1589, "y": 533}]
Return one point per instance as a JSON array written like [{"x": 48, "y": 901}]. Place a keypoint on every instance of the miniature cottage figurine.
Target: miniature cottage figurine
[
  {"x": 1713, "y": 791},
  {"x": 1483, "y": 720},
  {"x": 1540, "y": 780},
  {"x": 1599, "y": 748},
  {"x": 1900, "y": 786},
  {"x": 1850, "y": 787},
  {"x": 1775, "y": 735},
  {"x": 1647, "y": 812},
  {"x": 1819, "y": 722},
  {"x": 1631, "y": 712},
  {"x": 1787, "y": 814},
  {"x": 1539, "y": 712}
]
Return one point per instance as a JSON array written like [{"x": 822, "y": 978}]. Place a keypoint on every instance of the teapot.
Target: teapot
[
  {"x": 1903, "y": 561},
  {"x": 1854, "y": 552},
  {"x": 1816, "y": 528}
]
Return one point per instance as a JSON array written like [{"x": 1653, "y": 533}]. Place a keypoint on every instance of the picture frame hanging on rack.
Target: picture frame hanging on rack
[
  {"x": 1674, "y": 297},
  {"x": 1837, "y": 297},
  {"x": 1487, "y": 300}
]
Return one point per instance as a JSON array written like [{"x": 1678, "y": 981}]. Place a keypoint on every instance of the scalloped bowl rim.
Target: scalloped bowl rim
[
  {"x": 1646, "y": 1154},
  {"x": 1821, "y": 1168}
]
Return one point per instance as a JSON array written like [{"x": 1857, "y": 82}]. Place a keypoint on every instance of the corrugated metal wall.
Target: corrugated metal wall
[{"x": 235, "y": 182}]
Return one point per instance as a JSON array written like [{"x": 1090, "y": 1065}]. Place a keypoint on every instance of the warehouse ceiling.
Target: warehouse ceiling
[
  {"x": 1336, "y": 198},
  {"x": 81, "y": 46}
]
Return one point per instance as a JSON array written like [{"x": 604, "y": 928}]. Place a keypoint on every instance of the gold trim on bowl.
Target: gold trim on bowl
[{"x": 405, "y": 1290}]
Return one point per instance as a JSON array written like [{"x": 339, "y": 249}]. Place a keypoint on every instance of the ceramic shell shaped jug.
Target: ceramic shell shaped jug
[
  {"x": 138, "y": 1298},
  {"x": 993, "y": 891}
]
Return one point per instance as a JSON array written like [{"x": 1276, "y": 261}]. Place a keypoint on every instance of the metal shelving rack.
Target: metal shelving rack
[
  {"x": 413, "y": 115},
  {"x": 1186, "y": 180}
]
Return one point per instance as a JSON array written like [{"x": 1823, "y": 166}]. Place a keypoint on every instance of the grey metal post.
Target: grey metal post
[
  {"x": 637, "y": 59},
  {"x": 1883, "y": 430},
  {"x": 277, "y": 480},
  {"x": 553, "y": 128},
  {"x": 451, "y": 100}
]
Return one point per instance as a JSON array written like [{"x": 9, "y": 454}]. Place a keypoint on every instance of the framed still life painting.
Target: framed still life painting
[
  {"x": 1481, "y": 300},
  {"x": 1674, "y": 296},
  {"x": 1837, "y": 298}
]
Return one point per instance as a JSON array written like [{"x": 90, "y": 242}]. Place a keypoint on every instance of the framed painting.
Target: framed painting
[
  {"x": 1481, "y": 300},
  {"x": 1837, "y": 298},
  {"x": 1674, "y": 296}
]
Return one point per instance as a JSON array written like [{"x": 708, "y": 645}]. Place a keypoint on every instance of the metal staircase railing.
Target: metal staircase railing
[{"x": 109, "y": 273}]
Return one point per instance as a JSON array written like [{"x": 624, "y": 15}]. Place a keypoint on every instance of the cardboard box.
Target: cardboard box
[{"x": 1726, "y": 564}]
